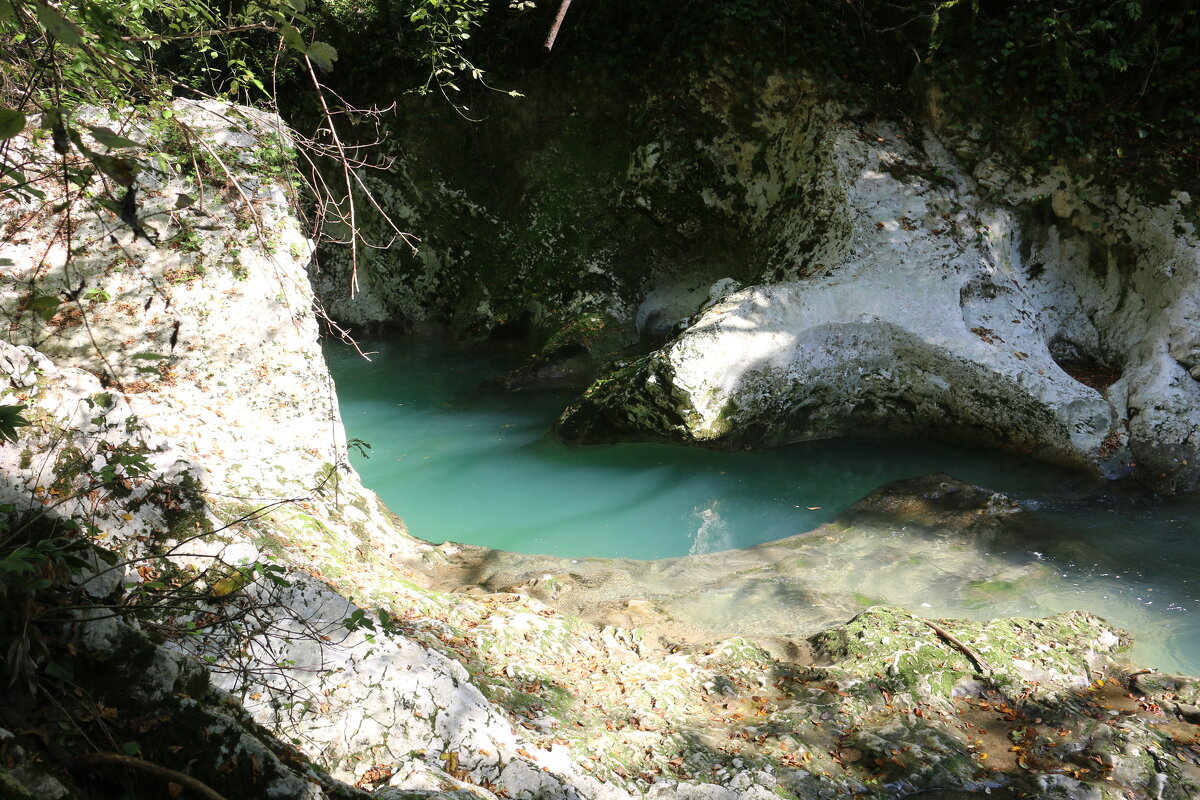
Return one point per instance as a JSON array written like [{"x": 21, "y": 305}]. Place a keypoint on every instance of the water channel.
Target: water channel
[{"x": 462, "y": 463}]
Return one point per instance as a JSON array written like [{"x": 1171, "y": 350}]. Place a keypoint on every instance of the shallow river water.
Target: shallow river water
[{"x": 469, "y": 465}]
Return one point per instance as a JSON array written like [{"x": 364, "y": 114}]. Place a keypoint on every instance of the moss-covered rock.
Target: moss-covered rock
[{"x": 573, "y": 354}]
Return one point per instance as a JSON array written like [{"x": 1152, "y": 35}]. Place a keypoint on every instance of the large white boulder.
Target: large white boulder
[
  {"x": 192, "y": 371},
  {"x": 945, "y": 306}
]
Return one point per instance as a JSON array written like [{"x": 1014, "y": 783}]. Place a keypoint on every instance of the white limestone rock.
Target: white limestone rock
[
  {"x": 937, "y": 312},
  {"x": 1117, "y": 280},
  {"x": 206, "y": 364}
]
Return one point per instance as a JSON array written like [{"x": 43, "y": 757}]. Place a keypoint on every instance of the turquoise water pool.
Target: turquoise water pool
[{"x": 473, "y": 465}]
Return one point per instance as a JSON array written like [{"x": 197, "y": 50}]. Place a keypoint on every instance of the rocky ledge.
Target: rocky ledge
[{"x": 765, "y": 264}]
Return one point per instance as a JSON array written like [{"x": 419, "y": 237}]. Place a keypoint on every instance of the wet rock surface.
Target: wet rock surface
[
  {"x": 797, "y": 269},
  {"x": 925, "y": 297},
  {"x": 788, "y": 588},
  {"x": 887, "y": 704}
]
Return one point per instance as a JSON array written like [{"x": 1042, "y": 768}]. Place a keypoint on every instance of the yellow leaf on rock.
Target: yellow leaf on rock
[{"x": 229, "y": 585}]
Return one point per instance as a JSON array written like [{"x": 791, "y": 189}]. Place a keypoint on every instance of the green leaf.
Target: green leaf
[
  {"x": 53, "y": 22},
  {"x": 293, "y": 39},
  {"x": 299, "y": 6},
  {"x": 110, "y": 204},
  {"x": 45, "y": 306},
  {"x": 110, "y": 138},
  {"x": 63, "y": 669},
  {"x": 10, "y": 420},
  {"x": 17, "y": 562},
  {"x": 11, "y": 122},
  {"x": 149, "y": 356},
  {"x": 71, "y": 133},
  {"x": 322, "y": 54},
  {"x": 6, "y": 10},
  {"x": 76, "y": 563},
  {"x": 131, "y": 748},
  {"x": 183, "y": 201}
]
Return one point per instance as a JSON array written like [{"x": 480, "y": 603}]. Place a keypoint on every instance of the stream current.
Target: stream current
[{"x": 479, "y": 466}]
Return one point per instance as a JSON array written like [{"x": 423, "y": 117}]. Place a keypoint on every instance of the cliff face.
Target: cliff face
[
  {"x": 794, "y": 267},
  {"x": 182, "y": 414}
]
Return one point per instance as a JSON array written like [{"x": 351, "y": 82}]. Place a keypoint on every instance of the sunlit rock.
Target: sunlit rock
[{"x": 943, "y": 305}]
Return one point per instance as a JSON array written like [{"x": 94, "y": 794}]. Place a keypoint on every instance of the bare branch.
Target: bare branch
[
  {"x": 558, "y": 21},
  {"x": 951, "y": 640},
  {"x": 118, "y": 760},
  {"x": 257, "y": 26}
]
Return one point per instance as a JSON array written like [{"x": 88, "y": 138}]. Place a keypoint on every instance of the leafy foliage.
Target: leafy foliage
[
  {"x": 425, "y": 43},
  {"x": 1115, "y": 81},
  {"x": 1112, "y": 85},
  {"x": 109, "y": 51},
  {"x": 59, "y": 59},
  {"x": 38, "y": 558},
  {"x": 10, "y": 420}
]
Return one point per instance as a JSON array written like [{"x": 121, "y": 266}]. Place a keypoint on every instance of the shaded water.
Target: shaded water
[{"x": 479, "y": 466}]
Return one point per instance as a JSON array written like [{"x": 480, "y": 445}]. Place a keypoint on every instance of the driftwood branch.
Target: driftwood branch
[
  {"x": 558, "y": 21},
  {"x": 951, "y": 640},
  {"x": 187, "y": 781}
]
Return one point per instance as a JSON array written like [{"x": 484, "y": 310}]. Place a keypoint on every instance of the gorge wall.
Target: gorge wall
[{"x": 756, "y": 260}]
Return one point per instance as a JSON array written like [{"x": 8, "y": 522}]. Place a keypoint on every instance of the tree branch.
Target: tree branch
[
  {"x": 118, "y": 760},
  {"x": 257, "y": 26},
  {"x": 558, "y": 21},
  {"x": 949, "y": 639}
]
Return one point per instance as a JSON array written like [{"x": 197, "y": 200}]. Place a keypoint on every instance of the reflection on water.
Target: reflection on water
[{"x": 479, "y": 467}]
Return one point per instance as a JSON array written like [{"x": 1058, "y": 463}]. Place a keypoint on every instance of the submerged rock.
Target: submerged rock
[
  {"x": 935, "y": 501},
  {"x": 572, "y": 355},
  {"x": 931, "y": 538}
]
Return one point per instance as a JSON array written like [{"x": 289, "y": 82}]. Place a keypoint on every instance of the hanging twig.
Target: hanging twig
[
  {"x": 558, "y": 21},
  {"x": 347, "y": 172}
]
